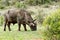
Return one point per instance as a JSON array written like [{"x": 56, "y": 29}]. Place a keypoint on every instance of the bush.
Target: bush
[
  {"x": 2, "y": 6},
  {"x": 37, "y": 2},
  {"x": 20, "y": 5},
  {"x": 53, "y": 24},
  {"x": 1, "y": 20},
  {"x": 32, "y": 2}
]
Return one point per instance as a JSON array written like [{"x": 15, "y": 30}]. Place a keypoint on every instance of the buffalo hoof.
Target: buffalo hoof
[
  {"x": 4, "y": 29},
  {"x": 9, "y": 29},
  {"x": 25, "y": 30},
  {"x": 19, "y": 30}
]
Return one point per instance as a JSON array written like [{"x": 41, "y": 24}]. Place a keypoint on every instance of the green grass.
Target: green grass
[{"x": 19, "y": 35}]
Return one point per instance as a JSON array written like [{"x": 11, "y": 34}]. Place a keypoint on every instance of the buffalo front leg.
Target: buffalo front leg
[
  {"x": 9, "y": 27},
  {"x": 19, "y": 25},
  {"x": 25, "y": 27},
  {"x": 5, "y": 27}
]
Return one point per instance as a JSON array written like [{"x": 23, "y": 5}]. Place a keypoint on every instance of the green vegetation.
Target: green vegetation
[
  {"x": 2, "y": 6},
  {"x": 37, "y": 2},
  {"x": 19, "y": 35},
  {"x": 53, "y": 23},
  {"x": 1, "y": 20},
  {"x": 20, "y": 5}
]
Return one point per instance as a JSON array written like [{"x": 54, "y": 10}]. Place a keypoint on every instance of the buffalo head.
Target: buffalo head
[{"x": 33, "y": 25}]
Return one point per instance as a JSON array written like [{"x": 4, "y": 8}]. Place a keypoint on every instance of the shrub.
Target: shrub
[
  {"x": 4, "y": 2},
  {"x": 53, "y": 24},
  {"x": 37, "y": 2},
  {"x": 20, "y": 5},
  {"x": 2, "y": 6},
  {"x": 32, "y": 2}
]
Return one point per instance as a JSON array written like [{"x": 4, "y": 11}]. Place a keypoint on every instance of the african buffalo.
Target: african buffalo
[{"x": 21, "y": 17}]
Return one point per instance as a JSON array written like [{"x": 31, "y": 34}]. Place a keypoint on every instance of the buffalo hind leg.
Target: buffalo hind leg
[
  {"x": 25, "y": 27},
  {"x": 9, "y": 26}
]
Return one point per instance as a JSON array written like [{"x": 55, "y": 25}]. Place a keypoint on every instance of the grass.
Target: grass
[{"x": 19, "y": 35}]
